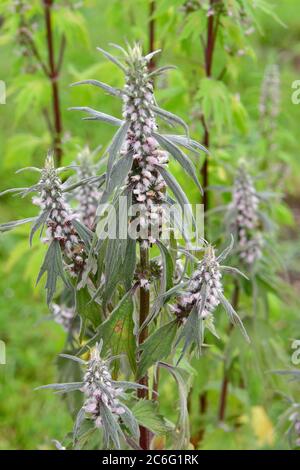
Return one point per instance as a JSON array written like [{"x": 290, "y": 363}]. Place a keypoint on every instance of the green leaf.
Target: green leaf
[
  {"x": 117, "y": 331},
  {"x": 40, "y": 221},
  {"x": 147, "y": 415},
  {"x": 87, "y": 308},
  {"x": 118, "y": 174},
  {"x": 129, "y": 263},
  {"x": 233, "y": 316},
  {"x": 181, "y": 157},
  {"x": 15, "y": 223},
  {"x": 53, "y": 266},
  {"x": 112, "y": 91},
  {"x": 112, "y": 59},
  {"x": 85, "y": 234},
  {"x": 158, "y": 346},
  {"x": 97, "y": 115},
  {"x": 168, "y": 268},
  {"x": 114, "y": 149},
  {"x": 191, "y": 332},
  {"x": 185, "y": 142},
  {"x": 182, "y": 434},
  {"x": 170, "y": 117},
  {"x": 215, "y": 101},
  {"x": 177, "y": 191},
  {"x": 111, "y": 428}
]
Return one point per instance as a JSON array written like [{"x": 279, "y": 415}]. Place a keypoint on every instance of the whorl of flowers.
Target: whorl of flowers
[
  {"x": 88, "y": 194},
  {"x": 59, "y": 225},
  {"x": 147, "y": 185},
  {"x": 204, "y": 288},
  {"x": 99, "y": 390},
  {"x": 63, "y": 315},
  {"x": 269, "y": 105},
  {"x": 245, "y": 208}
]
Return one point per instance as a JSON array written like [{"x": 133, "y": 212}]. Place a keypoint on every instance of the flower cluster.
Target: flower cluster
[
  {"x": 59, "y": 219},
  {"x": 63, "y": 315},
  {"x": 204, "y": 288},
  {"x": 100, "y": 391},
  {"x": 147, "y": 185},
  {"x": 270, "y": 94},
  {"x": 245, "y": 209},
  {"x": 87, "y": 195}
]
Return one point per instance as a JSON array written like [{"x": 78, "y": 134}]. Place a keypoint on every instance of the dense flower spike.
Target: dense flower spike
[
  {"x": 99, "y": 390},
  {"x": 147, "y": 185},
  {"x": 52, "y": 202},
  {"x": 204, "y": 288},
  {"x": 63, "y": 315},
  {"x": 269, "y": 105},
  {"x": 88, "y": 194},
  {"x": 244, "y": 208}
]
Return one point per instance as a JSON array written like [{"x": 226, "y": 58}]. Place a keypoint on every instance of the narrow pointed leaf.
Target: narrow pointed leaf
[
  {"x": 111, "y": 90},
  {"x": 97, "y": 115},
  {"x": 180, "y": 156},
  {"x": 113, "y": 59}
]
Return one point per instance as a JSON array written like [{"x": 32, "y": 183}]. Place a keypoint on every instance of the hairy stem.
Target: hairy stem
[
  {"x": 143, "y": 314},
  {"x": 225, "y": 381},
  {"x": 151, "y": 33},
  {"x": 53, "y": 76},
  {"x": 208, "y": 61}
]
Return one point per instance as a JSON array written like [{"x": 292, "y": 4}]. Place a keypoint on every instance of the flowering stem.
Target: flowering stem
[
  {"x": 144, "y": 312},
  {"x": 53, "y": 75},
  {"x": 225, "y": 381},
  {"x": 151, "y": 65},
  {"x": 208, "y": 61}
]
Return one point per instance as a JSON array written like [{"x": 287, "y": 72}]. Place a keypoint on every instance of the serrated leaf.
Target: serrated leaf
[
  {"x": 130, "y": 422},
  {"x": 87, "y": 308},
  {"x": 40, "y": 221},
  {"x": 85, "y": 234},
  {"x": 117, "y": 331},
  {"x": 147, "y": 415},
  {"x": 191, "y": 333},
  {"x": 53, "y": 266},
  {"x": 158, "y": 346},
  {"x": 182, "y": 433}
]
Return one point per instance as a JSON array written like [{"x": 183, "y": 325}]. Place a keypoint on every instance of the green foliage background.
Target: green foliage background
[{"x": 29, "y": 419}]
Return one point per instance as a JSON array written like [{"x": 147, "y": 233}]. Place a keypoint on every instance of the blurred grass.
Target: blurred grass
[{"x": 28, "y": 419}]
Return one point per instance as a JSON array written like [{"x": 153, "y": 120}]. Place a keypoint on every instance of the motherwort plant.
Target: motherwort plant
[
  {"x": 104, "y": 404},
  {"x": 64, "y": 233},
  {"x": 121, "y": 286},
  {"x": 244, "y": 217},
  {"x": 204, "y": 292}
]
